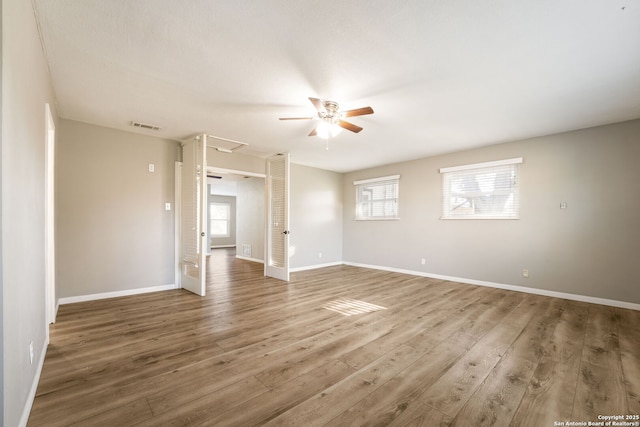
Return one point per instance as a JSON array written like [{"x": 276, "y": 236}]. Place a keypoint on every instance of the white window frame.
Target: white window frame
[
  {"x": 227, "y": 220},
  {"x": 360, "y": 212},
  {"x": 450, "y": 174}
]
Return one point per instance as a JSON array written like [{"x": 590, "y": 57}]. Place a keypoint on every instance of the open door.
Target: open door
[
  {"x": 193, "y": 216},
  {"x": 277, "y": 264}
]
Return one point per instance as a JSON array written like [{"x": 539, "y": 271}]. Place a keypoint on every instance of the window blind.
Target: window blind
[
  {"x": 481, "y": 191},
  {"x": 377, "y": 198}
]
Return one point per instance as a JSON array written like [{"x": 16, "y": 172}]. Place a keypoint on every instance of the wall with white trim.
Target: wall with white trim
[
  {"x": 113, "y": 232},
  {"x": 590, "y": 249},
  {"x": 250, "y": 208},
  {"x": 315, "y": 217},
  {"x": 26, "y": 88}
]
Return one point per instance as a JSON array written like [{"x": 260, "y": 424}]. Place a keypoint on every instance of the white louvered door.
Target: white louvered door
[
  {"x": 193, "y": 216},
  {"x": 277, "y": 264}
]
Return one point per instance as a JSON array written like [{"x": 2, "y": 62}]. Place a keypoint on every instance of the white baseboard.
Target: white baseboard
[
  {"x": 313, "y": 267},
  {"x": 26, "y": 411},
  {"x": 250, "y": 259},
  {"x": 536, "y": 291},
  {"x": 105, "y": 295},
  {"x": 544, "y": 292}
]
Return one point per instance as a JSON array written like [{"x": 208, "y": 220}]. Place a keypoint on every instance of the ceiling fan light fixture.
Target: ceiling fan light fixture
[
  {"x": 327, "y": 129},
  {"x": 332, "y": 119}
]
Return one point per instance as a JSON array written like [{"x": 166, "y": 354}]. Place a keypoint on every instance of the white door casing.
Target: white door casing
[{"x": 50, "y": 246}]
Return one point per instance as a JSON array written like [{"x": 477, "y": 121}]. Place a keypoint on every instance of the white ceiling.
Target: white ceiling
[{"x": 441, "y": 75}]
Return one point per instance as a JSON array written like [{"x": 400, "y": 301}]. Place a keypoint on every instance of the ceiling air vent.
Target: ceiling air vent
[{"x": 145, "y": 126}]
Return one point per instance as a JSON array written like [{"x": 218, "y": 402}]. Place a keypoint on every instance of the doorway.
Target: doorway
[
  {"x": 254, "y": 194},
  {"x": 242, "y": 195}
]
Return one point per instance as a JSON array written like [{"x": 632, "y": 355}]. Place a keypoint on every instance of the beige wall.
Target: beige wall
[
  {"x": 113, "y": 232},
  {"x": 1, "y": 240},
  {"x": 26, "y": 88},
  {"x": 589, "y": 249},
  {"x": 315, "y": 217},
  {"x": 236, "y": 161},
  {"x": 250, "y": 205}
]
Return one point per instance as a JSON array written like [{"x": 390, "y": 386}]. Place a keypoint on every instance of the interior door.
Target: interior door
[
  {"x": 277, "y": 264},
  {"x": 193, "y": 216}
]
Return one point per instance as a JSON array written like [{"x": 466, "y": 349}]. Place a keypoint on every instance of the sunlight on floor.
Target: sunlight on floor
[{"x": 349, "y": 307}]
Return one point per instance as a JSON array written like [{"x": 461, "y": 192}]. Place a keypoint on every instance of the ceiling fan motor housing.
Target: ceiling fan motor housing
[{"x": 331, "y": 114}]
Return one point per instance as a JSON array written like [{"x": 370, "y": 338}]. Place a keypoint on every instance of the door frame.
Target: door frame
[
  {"x": 215, "y": 169},
  {"x": 178, "y": 212},
  {"x": 50, "y": 242},
  {"x": 177, "y": 209}
]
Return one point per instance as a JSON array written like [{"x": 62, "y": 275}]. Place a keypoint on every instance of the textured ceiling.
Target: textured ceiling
[{"x": 441, "y": 75}]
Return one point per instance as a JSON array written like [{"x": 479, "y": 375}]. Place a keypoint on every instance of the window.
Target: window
[
  {"x": 377, "y": 198},
  {"x": 220, "y": 219},
  {"x": 481, "y": 191}
]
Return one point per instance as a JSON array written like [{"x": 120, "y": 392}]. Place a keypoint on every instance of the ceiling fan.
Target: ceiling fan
[{"x": 332, "y": 118}]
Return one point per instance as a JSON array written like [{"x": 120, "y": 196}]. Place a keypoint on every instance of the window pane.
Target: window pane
[
  {"x": 481, "y": 193},
  {"x": 219, "y": 227},
  {"x": 377, "y": 200},
  {"x": 218, "y": 211},
  {"x": 219, "y": 216}
]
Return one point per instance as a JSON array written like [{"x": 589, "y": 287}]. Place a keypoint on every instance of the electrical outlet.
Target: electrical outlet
[
  {"x": 152, "y": 167},
  {"x": 563, "y": 205},
  {"x": 525, "y": 273},
  {"x": 423, "y": 261},
  {"x": 31, "y": 352},
  {"x": 319, "y": 254}
]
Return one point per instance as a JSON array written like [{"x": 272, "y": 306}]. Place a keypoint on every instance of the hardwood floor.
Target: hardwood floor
[{"x": 337, "y": 346}]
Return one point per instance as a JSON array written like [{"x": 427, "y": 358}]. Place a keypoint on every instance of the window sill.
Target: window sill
[{"x": 478, "y": 217}]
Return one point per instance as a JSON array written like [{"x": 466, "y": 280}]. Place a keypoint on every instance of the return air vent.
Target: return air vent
[{"x": 145, "y": 126}]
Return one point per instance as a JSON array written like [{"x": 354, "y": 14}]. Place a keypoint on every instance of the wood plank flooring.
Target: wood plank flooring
[{"x": 337, "y": 346}]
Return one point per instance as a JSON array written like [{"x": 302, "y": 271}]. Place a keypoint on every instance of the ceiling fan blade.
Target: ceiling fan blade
[
  {"x": 357, "y": 112},
  {"x": 318, "y": 104},
  {"x": 349, "y": 126},
  {"x": 313, "y": 132},
  {"x": 297, "y": 118}
]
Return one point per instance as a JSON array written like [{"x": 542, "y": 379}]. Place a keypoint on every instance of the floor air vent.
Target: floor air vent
[{"x": 246, "y": 250}]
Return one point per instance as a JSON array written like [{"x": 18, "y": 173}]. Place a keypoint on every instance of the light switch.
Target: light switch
[{"x": 167, "y": 206}]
